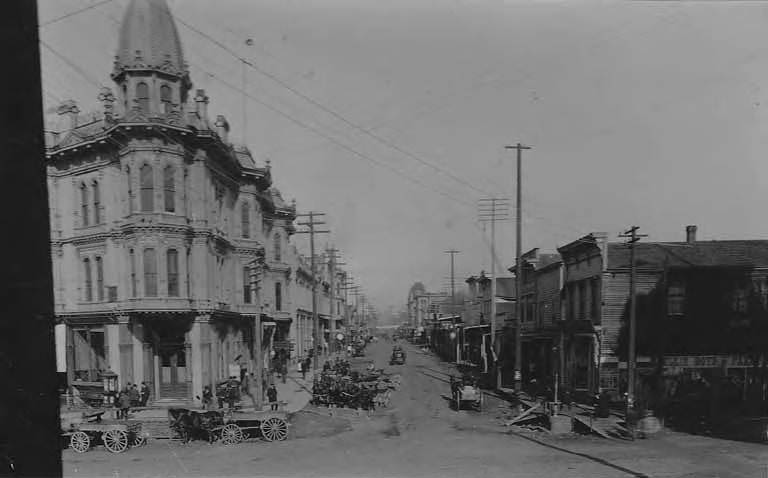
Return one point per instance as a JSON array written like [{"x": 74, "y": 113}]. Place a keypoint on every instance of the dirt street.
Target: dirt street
[{"x": 421, "y": 436}]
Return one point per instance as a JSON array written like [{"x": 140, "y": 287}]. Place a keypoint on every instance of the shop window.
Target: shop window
[{"x": 89, "y": 353}]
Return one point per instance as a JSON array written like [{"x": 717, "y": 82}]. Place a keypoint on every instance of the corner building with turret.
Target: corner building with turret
[{"x": 162, "y": 229}]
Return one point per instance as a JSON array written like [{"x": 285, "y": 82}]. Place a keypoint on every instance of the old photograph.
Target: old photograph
[{"x": 402, "y": 238}]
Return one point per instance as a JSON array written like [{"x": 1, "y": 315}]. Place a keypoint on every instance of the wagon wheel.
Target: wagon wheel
[
  {"x": 115, "y": 441},
  {"x": 231, "y": 434},
  {"x": 274, "y": 429},
  {"x": 139, "y": 440},
  {"x": 80, "y": 442}
]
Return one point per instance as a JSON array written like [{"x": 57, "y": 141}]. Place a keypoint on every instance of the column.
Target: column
[
  {"x": 196, "y": 361},
  {"x": 113, "y": 342},
  {"x": 137, "y": 337}
]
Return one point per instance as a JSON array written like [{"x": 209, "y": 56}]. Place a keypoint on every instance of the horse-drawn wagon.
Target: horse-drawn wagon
[
  {"x": 229, "y": 427},
  {"x": 116, "y": 435}
]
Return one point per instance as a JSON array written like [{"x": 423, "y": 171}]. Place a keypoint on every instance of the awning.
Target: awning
[{"x": 476, "y": 327}]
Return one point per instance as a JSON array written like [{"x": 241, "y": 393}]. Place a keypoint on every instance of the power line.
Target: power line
[
  {"x": 76, "y": 12},
  {"x": 328, "y": 110}
]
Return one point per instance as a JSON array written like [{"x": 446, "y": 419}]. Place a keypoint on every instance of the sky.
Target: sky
[{"x": 392, "y": 117}]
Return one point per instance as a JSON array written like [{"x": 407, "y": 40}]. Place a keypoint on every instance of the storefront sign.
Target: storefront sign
[
  {"x": 706, "y": 361},
  {"x": 283, "y": 344}
]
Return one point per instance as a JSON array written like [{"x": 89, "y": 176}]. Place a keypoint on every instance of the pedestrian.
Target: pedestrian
[
  {"x": 207, "y": 397},
  {"x": 301, "y": 370},
  {"x": 124, "y": 399},
  {"x": 272, "y": 397},
  {"x": 133, "y": 393},
  {"x": 144, "y": 394}
]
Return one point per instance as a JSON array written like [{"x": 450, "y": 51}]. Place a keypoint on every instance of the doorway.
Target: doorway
[{"x": 173, "y": 369}]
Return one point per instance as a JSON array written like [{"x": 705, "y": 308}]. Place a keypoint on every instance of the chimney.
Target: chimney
[
  {"x": 222, "y": 128},
  {"x": 201, "y": 101},
  {"x": 690, "y": 234},
  {"x": 70, "y": 109}
]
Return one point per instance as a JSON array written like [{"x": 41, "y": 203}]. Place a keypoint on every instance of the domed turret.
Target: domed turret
[{"x": 149, "y": 64}]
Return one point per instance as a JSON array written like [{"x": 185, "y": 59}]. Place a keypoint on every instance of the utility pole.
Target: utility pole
[
  {"x": 492, "y": 210},
  {"x": 311, "y": 223},
  {"x": 256, "y": 272},
  {"x": 518, "y": 269},
  {"x": 632, "y": 237},
  {"x": 453, "y": 252}
]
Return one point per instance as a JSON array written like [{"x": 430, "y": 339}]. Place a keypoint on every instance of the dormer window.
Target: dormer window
[
  {"x": 165, "y": 98},
  {"x": 142, "y": 96}
]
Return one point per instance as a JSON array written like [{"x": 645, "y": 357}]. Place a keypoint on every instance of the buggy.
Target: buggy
[{"x": 466, "y": 392}]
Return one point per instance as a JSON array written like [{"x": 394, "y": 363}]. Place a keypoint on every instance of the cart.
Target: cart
[
  {"x": 398, "y": 357},
  {"x": 466, "y": 393},
  {"x": 240, "y": 426},
  {"x": 116, "y": 436}
]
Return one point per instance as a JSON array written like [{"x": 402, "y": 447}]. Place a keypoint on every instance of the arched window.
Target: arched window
[
  {"x": 150, "y": 273},
  {"x": 278, "y": 296},
  {"x": 278, "y": 251},
  {"x": 88, "y": 280},
  {"x": 172, "y": 266},
  {"x": 169, "y": 189},
  {"x": 99, "y": 279},
  {"x": 84, "y": 210},
  {"x": 246, "y": 220},
  {"x": 142, "y": 95},
  {"x": 96, "y": 203},
  {"x": 147, "y": 189},
  {"x": 165, "y": 98},
  {"x": 132, "y": 259}
]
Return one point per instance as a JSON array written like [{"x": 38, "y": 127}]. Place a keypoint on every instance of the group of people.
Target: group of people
[{"x": 131, "y": 396}]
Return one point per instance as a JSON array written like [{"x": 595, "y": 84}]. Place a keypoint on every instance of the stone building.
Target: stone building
[{"x": 161, "y": 227}]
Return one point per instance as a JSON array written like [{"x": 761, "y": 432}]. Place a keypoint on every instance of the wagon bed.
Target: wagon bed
[{"x": 116, "y": 435}]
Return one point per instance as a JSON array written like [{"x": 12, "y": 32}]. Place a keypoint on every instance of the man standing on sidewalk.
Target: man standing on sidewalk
[{"x": 272, "y": 397}]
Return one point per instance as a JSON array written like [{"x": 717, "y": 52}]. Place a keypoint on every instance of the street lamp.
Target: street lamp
[{"x": 109, "y": 382}]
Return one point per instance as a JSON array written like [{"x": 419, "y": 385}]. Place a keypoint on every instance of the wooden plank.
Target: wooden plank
[
  {"x": 523, "y": 415},
  {"x": 590, "y": 424}
]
